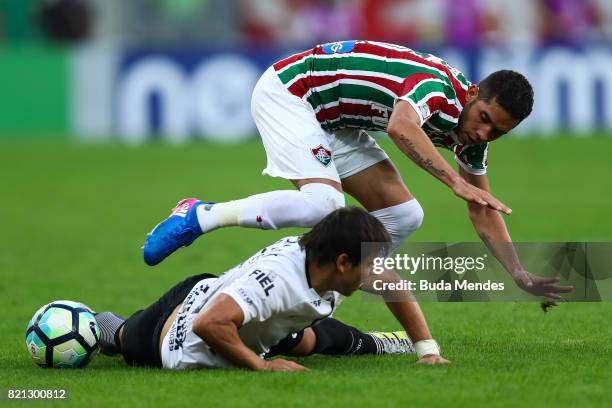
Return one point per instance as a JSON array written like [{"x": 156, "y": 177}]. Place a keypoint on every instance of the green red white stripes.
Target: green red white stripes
[
  {"x": 359, "y": 88},
  {"x": 356, "y": 84}
]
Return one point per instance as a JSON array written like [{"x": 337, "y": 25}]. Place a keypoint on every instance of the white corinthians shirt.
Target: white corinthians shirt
[{"x": 273, "y": 292}]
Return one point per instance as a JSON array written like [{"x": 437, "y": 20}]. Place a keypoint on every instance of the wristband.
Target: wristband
[{"x": 425, "y": 347}]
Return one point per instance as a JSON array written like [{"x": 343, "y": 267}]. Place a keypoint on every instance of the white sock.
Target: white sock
[{"x": 275, "y": 209}]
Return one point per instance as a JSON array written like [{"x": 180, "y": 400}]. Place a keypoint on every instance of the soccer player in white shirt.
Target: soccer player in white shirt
[{"x": 279, "y": 301}]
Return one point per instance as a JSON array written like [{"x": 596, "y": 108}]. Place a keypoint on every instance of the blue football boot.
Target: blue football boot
[{"x": 180, "y": 229}]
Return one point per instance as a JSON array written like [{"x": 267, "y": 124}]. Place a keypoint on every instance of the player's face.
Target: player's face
[
  {"x": 483, "y": 121},
  {"x": 351, "y": 276}
]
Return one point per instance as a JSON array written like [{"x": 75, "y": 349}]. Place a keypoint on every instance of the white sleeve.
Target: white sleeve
[{"x": 260, "y": 294}]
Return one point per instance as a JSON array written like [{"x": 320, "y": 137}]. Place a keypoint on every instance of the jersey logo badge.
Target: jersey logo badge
[
  {"x": 323, "y": 155},
  {"x": 425, "y": 112},
  {"x": 339, "y": 47}
]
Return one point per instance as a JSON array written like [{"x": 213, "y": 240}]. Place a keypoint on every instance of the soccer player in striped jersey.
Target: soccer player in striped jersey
[{"x": 313, "y": 110}]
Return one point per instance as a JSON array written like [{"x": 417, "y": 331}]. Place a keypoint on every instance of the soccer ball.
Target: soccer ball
[{"x": 63, "y": 334}]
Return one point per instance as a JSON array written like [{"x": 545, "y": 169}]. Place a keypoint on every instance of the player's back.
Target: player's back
[
  {"x": 273, "y": 291},
  {"x": 356, "y": 83}
]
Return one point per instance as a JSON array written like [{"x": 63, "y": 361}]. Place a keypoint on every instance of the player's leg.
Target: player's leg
[
  {"x": 137, "y": 337},
  {"x": 332, "y": 337},
  {"x": 380, "y": 189},
  {"x": 110, "y": 325},
  {"x": 304, "y": 207},
  {"x": 297, "y": 149},
  {"x": 370, "y": 177}
]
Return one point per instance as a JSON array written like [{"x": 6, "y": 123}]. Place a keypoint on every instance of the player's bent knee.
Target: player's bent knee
[
  {"x": 306, "y": 345},
  {"x": 401, "y": 220},
  {"x": 414, "y": 215},
  {"x": 322, "y": 200}
]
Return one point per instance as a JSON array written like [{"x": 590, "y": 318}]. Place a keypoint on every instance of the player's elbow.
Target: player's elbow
[
  {"x": 206, "y": 325},
  {"x": 399, "y": 127},
  {"x": 221, "y": 318},
  {"x": 393, "y": 130},
  {"x": 200, "y": 327}
]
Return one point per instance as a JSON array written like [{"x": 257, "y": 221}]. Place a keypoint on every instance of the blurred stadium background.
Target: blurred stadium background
[
  {"x": 184, "y": 69},
  {"x": 84, "y": 81}
]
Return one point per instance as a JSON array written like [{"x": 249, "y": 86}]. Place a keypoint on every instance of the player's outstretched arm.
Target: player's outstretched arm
[
  {"x": 492, "y": 229},
  {"x": 218, "y": 326},
  {"x": 405, "y": 130},
  {"x": 408, "y": 313}
]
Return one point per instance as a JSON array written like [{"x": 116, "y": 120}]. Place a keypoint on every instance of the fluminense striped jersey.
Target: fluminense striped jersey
[{"x": 357, "y": 83}]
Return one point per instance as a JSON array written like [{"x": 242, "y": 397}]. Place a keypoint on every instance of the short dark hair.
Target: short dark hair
[
  {"x": 511, "y": 90},
  {"x": 342, "y": 232}
]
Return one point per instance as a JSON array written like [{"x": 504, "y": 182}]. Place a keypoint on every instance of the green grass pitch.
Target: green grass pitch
[{"x": 74, "y": 219}]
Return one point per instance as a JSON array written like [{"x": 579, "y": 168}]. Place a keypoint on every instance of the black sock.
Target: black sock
[
  {"x": 337, "y": 338},
  {"x": 109, "y": 324}
]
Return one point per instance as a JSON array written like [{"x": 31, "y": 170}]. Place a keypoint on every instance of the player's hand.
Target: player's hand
[
  {"x": 540, "y": 286},
  {"x": 432, "y": 359},
  {"x": 474, "y": 194},
  {"x": 280, "y": 364}
]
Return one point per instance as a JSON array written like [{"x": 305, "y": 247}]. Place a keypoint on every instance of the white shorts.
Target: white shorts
[{"x": 296, "y": 145}]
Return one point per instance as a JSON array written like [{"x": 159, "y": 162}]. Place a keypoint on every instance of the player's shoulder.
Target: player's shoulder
[
  {"x": 450, "y": 76},
  {"x": 287, "y": 248},
  {"x": 275, "y": 273},
  {"x": 284, "y": 258}
]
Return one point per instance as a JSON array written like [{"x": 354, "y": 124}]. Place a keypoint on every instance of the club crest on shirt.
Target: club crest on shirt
[
  {"x": 323, "y": 155},
  {"x": 425, "y": 112}
]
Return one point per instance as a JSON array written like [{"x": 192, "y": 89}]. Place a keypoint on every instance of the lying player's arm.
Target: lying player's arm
[
  {"x": 408, "y": 313},
  {"x": 410, "y": 316},
  {"x": 405, "y": 130},
  {"x": 218, "y": 326},
  {"x": 492, "y": 229}
]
